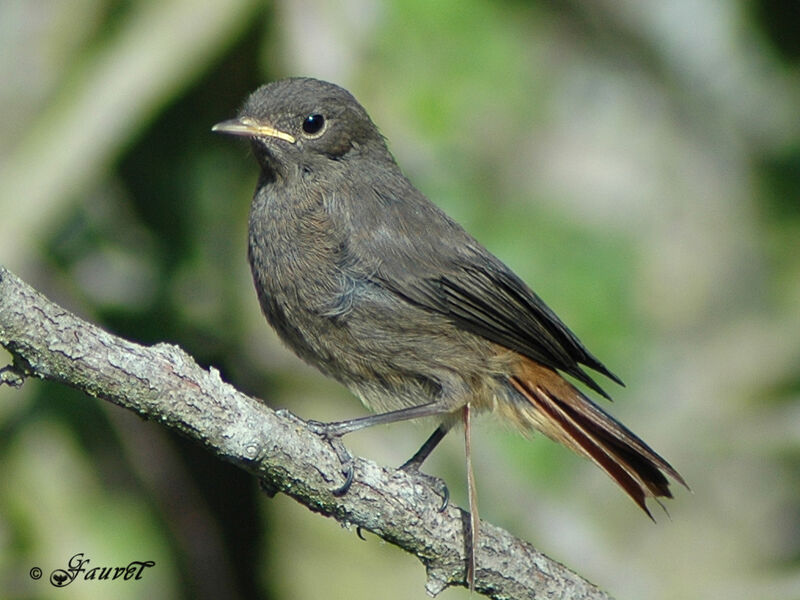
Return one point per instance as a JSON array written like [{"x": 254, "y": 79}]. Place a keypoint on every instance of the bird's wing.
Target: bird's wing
[
  {"x": 485, "y": 297},
  {"x": 425, "y": 257}
]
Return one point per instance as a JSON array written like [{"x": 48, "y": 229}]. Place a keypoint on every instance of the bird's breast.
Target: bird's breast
[{"x": 297, "y": 259}]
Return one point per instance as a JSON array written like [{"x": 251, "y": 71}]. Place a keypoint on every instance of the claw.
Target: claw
[
  {"x": 445, "y": 497},
  {"x": 348, "y": 481},
  {"x": 345, "y": 458},
  {"x": 438, "y": 484}
]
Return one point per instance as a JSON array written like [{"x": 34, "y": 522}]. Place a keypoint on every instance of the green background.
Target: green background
[{"x": 638, "y": 163}]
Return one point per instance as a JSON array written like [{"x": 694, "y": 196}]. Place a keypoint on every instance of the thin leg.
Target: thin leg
[
  {"x": 334, "y": 431},
  {"x": 473, "y": 502},
  {"x": 340, "y": 428},
  {"x": 413, "y": 464}
]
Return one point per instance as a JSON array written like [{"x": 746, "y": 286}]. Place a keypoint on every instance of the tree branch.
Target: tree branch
[{"x": 164, "y": 384}]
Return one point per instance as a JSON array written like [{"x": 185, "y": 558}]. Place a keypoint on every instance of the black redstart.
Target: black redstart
[{"x": 366, "y": 279}]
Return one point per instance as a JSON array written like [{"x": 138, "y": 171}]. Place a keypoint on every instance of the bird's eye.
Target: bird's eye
[{"x": 313, "y": 124}]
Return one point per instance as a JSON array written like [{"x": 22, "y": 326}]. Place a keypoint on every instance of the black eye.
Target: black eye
[{"x": 313, "y": 124}]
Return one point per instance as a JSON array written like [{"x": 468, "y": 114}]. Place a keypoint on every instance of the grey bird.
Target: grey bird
[{"x": 367, "y": 280}]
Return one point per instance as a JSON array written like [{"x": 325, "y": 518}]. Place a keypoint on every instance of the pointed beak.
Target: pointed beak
[{"x": 248, "y": 127}]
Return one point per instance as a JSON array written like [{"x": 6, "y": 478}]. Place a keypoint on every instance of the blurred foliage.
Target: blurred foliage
[{"x": 637, "y": 163}]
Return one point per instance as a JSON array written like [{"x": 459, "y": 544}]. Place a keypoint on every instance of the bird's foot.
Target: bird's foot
[
  {"x": 412, "y": 468},
  {"x": 334, "y": 439}
]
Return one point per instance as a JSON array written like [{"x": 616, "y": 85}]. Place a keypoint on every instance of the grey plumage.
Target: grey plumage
[{"x": 366, "y": 279}]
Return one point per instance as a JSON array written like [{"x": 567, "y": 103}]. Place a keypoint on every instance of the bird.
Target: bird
[{"x": 366, "y": 279}]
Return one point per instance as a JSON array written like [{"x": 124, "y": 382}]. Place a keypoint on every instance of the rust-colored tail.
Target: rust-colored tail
[{"x": 564, "y": 414}]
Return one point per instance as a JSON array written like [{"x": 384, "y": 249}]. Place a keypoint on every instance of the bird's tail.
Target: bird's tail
[{"x": 564, "y": 414}]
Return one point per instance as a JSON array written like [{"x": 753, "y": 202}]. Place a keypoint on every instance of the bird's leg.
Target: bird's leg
[
  {"x": 413, "y": 464},
  {"x": 472, "y": 492},
  {"x": 333, "y": 432}
]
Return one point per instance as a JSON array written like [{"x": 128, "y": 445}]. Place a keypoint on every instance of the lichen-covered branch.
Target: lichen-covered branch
[{"x": 163, "y": 384}]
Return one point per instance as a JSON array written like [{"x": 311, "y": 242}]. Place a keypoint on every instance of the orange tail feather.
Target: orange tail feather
[{"x": 564, "y": 414}]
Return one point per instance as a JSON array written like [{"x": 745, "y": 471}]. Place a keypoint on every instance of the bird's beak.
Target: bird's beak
[{"x": 248, "y": 127}]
